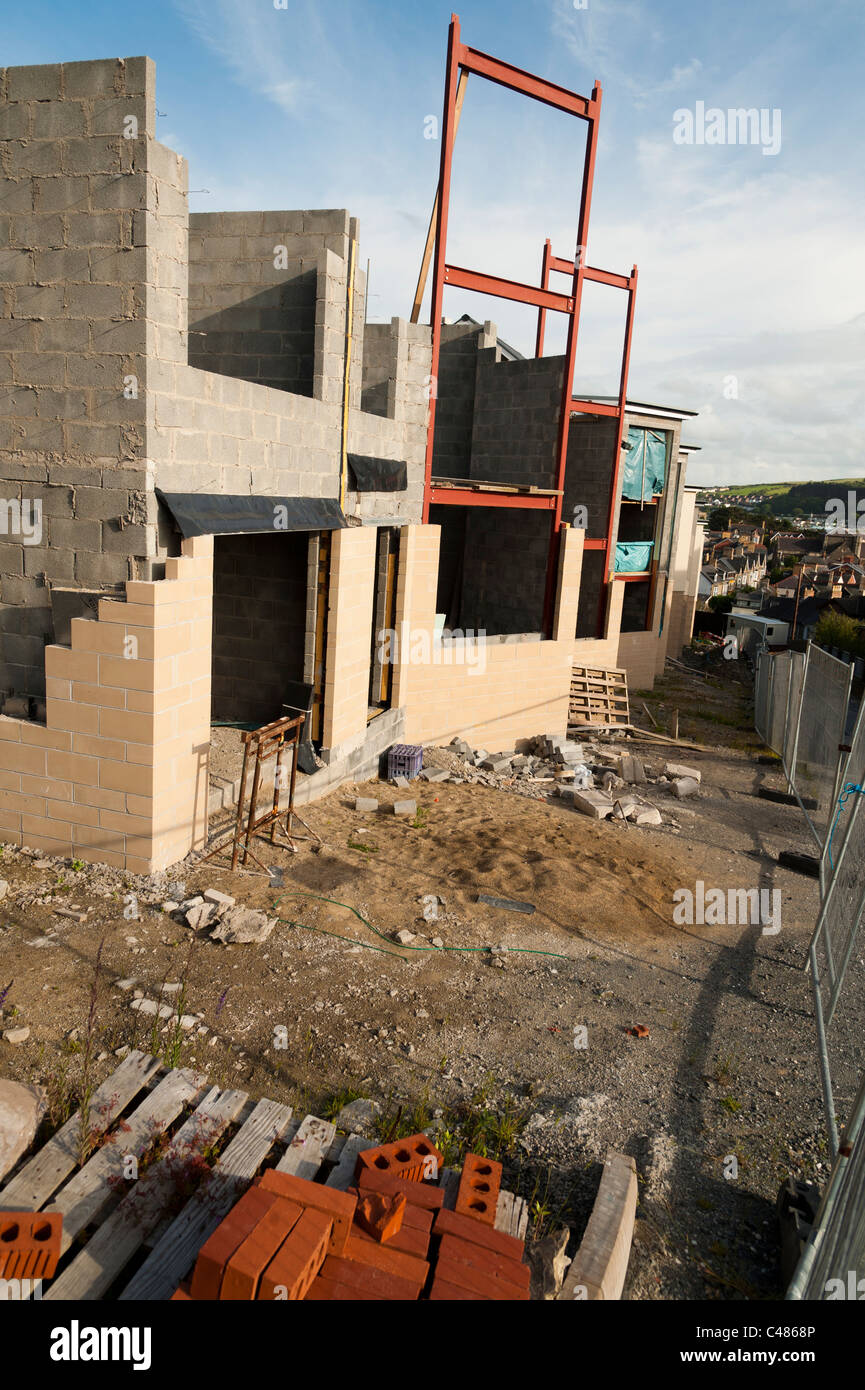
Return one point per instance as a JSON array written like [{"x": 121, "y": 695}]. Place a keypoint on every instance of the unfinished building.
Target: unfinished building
[{"x": 220, "y": 487}]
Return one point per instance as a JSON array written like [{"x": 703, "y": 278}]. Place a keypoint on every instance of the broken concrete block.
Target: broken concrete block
[
  {"x": 213, "y": 895},
  {"x": 4, "y": 888},
  {"x": 401, "y": 781},
  {"x": 405, "y": 938},
  {"x": 631, "y": 768},
  {"x": 359, "y": 1117},
  {"x": 591, "y": 803},
  {"x": 548, "y": 1263},
  {"x": 497, "y": 762},
  {"x": 201, "y": 915},
  {"x": 437, "y": 942},
  {"x": 650, "y": 815},
  {"x": 674, "y": 770},
  {"x": 21, "y": 1111},
  {"x": 16, "y": 1036},
  {"x": 685, "y": 786},
  {"x": 243, "y": 926},
  {"x": 624, "y": 807},
  {"x": 169, "y": 905},
  {"x": 435, "y": 774},
  {"x": 365, "y": 803},
  {"x": 405, "y": 808}
]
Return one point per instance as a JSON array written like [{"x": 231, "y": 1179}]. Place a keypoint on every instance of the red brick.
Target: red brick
[
  {"x": 368, "y": 1252},
  {"x": 365, "y": 1278},
  {"x": 488, "y": 1261},
  {"x": 329, "y": 1291},
  {"x": 299, "y": 1258},
  {"x": 29, "y": 1244},
  {"x": 410, "y": 1241},
  {"x": 405, "y": 1158},
  {"x": 418, "y": 1194},
  {"x": 478, "y": 1281},
  {"x": 218, "y": 1249},
  {"x": 251, "y": 1258},
  {"x": 415, "y": 1217},
  {"x": 443, "y": 1292},
  {"x": 478, "y": 1192},
  {"x": 452, "y": 1223},
  {"x": 380, "y": 1215},
  {"x": 339, "y": 1207}
]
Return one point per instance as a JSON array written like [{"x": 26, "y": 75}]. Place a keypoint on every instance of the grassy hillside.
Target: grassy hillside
[{"x": 809, "y": 496}]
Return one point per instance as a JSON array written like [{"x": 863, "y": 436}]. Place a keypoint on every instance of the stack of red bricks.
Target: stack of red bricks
[{"x": 389, "y": 1238}]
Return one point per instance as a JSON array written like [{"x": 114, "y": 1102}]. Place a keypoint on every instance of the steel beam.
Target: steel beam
[
  {"x": 467, "y": 497},
  {"x": 456, "y": 277}
]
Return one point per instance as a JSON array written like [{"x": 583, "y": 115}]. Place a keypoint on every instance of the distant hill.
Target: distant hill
[{"x": 785, "y": 496}]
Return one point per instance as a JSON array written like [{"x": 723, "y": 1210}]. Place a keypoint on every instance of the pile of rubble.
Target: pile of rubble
[
  {"x": 597, "y": 781},
  {"x": 220, "y": 915}
]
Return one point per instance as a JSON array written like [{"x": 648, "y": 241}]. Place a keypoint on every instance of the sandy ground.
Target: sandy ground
[{"x": 466, "y": 1044}]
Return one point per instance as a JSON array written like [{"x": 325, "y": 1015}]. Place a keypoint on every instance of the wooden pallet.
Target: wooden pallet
[
  {"x": 599, "y": 699},
  {"x": 138, "y": 1241}
]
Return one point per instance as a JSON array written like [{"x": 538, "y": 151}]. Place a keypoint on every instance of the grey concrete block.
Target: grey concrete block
[{"x": 405, "y": 808}]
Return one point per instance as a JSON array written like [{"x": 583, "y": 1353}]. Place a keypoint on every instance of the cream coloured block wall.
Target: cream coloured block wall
[
  {"x": 523, "y": 687},
  {"x": 118, "y": 773},
  {"x": 349, "y": 639}
]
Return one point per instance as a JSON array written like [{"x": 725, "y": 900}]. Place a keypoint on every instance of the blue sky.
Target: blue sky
[{"x": 751, "y": 307}]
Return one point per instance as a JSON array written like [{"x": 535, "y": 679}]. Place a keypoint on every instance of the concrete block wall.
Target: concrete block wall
[
  {"x": 523, "y": 688},
  {"x": 259, "y": 623},
  {"x": 254, "y": 292},
  {"x": 396, "y": 381},
  {"x": 78, "y": 170},
  {"x": 516, "y": 417},
  {"x": 118, "y": 774},
  {"x": 455, "y": 400},
  {"x": 505, "y": 569}
]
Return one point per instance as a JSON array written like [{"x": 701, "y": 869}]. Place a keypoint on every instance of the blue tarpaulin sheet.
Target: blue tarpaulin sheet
[
  {"x": 645, "y": 465},
  {"x": 633, "y": 557}
]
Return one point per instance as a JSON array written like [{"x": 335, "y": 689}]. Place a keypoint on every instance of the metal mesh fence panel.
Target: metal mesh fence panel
[
  {"x": 823, "y": 716},
  {"x": 777, "y": 716},
  {"x": 837, "y": 955},
  {"x": 838, "y": 1241},
  {"x": 761, "y": 693},
  {"x": 794, "y": 700}
]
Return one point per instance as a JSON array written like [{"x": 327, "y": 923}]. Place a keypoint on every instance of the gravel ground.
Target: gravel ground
[{"x": 471, "y": 1041}]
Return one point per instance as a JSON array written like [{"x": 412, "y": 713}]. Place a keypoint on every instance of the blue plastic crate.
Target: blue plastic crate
[{"x": 404, "y": 760}]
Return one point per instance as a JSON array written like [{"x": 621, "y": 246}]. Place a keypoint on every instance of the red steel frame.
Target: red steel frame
[
  {"x": 550, "y": 264},
  {"x": 461, "y": 58}
]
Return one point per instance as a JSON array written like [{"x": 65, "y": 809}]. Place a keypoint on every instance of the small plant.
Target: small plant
[
  {"x": 420, "y": 819},
  {"x": 332, "y": 1106},
  {"x": 731, "y": 1104},
  {"x": 726, "y": 1066},
  {"x": 364, "y": 849},
  {"x": 77, "y": 866}
]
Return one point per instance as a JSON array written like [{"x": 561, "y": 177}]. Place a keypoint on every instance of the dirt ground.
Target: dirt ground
[{"x": 481, "y": 1046}]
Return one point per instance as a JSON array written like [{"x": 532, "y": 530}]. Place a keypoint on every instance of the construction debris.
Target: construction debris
[
  {"x": 21, "y": 1110},
  {"x": 507, "y": 903},
  {"x": 243, "y": 925},
  {"x": 673, "y": 770},
  {"x": 588, "y": 777}
]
